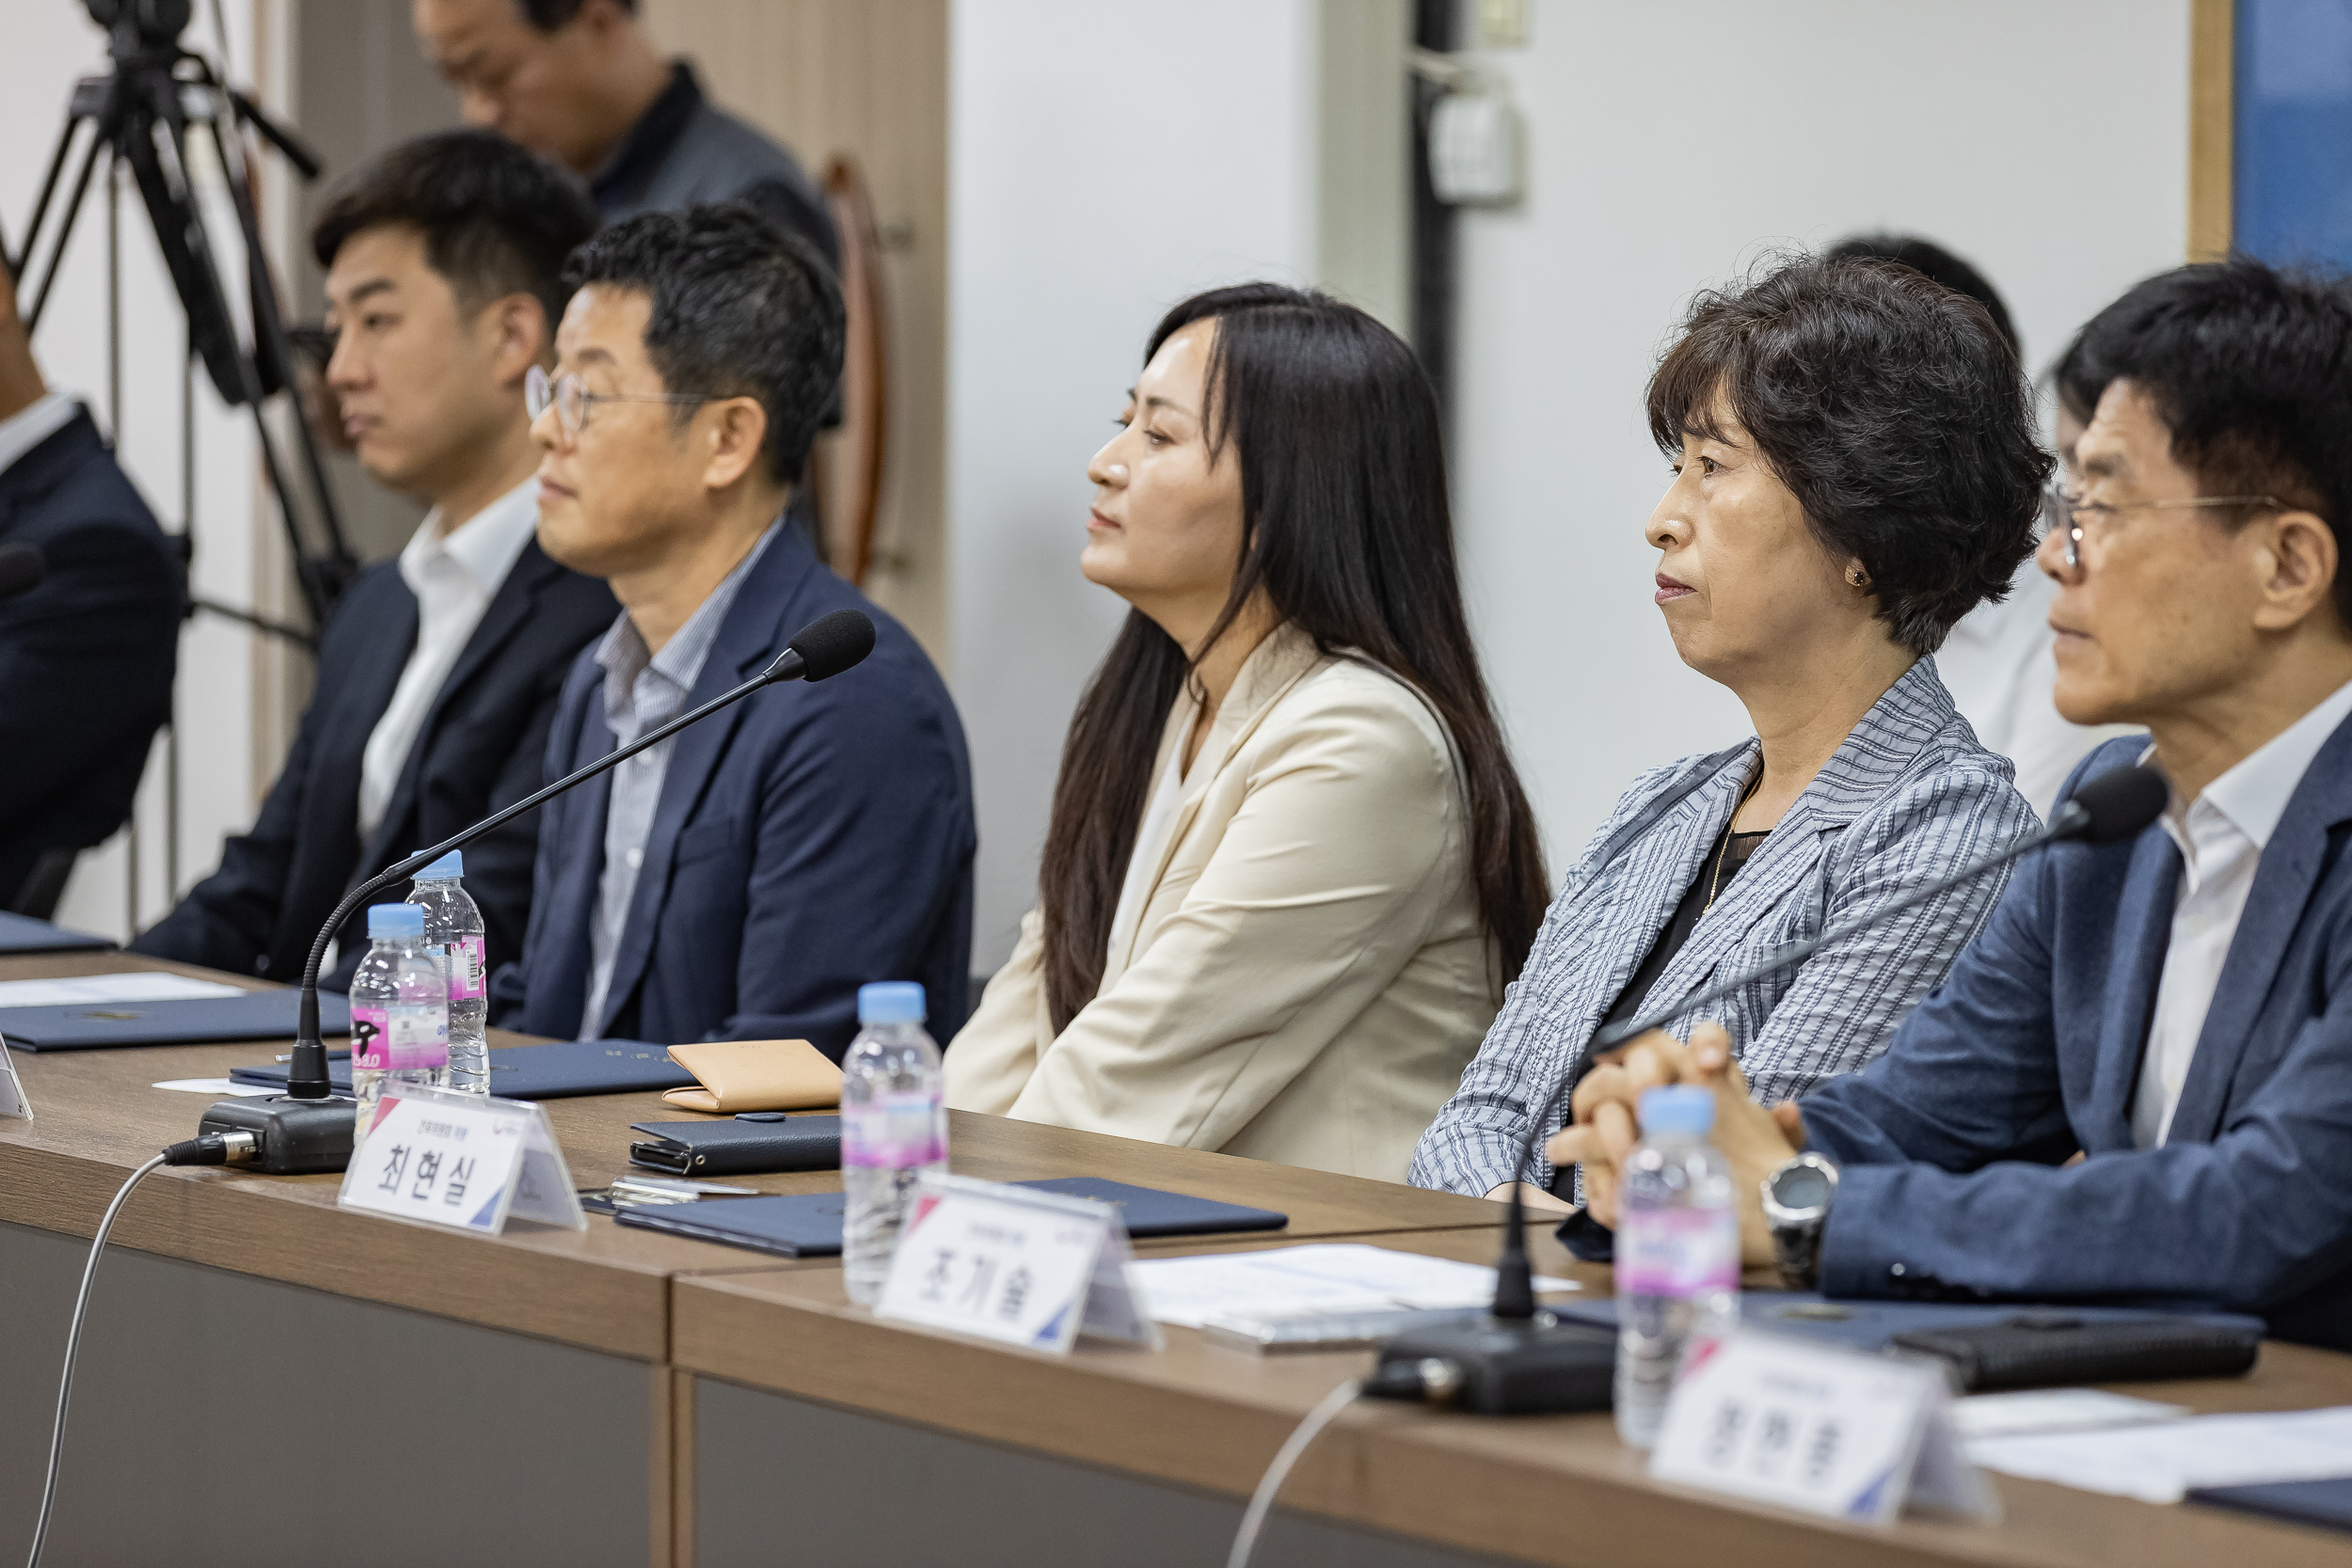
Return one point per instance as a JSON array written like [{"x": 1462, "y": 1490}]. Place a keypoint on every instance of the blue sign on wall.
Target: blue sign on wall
[{"x": 2291, "y": 142}]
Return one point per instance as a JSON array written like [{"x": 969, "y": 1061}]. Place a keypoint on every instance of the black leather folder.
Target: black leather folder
[
  {"x": 808, "y": 1224},
  {"x": 2324, "y": 1503},
  {"x": 554, "y": 1071},
  {"x": 257, "y": 1015},
  {"x": 21, "y": 933},
  {"x": 756, "y": 1141}
]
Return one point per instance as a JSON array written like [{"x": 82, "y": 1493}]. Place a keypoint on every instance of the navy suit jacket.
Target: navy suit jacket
[
  {"x": 481, "y": 747},
  {"x": 1951, "y": 1146},
  {"x": 808, "y": 839},
  {"x": 87, "y": 657}
]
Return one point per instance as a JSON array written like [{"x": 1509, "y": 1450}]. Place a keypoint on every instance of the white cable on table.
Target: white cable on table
[
  {"x": 73, "y": 1343},
  {"x": 1262, "y": 1501}
]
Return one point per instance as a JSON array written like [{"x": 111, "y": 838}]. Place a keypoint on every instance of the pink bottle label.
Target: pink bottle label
[
  {"x": 1677, "y": 1252},
  {"x": 464, "y": 968},
  {"x": 894, "y": 1131},
  {"x": 402, "y": 1037}
]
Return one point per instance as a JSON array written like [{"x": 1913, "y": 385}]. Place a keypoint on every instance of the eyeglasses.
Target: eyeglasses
[
  {"x": 572, "y": 401},
  {"x": 2075, "y": 516}
]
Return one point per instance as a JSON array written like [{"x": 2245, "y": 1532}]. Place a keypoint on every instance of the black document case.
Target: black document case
[
  {"x": 257, "y": 1015},
  {"x": 553, "y": 1071},
  {"x": 21, "y": 933},
  {"x": 762, "y": 1140},
  {"x": 808, "y": 1224}
]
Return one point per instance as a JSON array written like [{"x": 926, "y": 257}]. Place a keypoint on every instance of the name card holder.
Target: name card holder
[
  {"x": 13, "y": 1101},
  {"x": 1015, "y": 1265},
  {"x": 1821, "y": 1429},
  {"x": 467, "y": 1162}
]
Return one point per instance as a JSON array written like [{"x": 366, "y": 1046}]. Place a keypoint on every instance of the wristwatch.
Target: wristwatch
[{"x": 1796, "y": 1204}]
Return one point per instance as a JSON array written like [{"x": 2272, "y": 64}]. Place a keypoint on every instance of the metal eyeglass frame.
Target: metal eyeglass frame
[
  {"x": 2065, "y": 510},
  {"x": 540, "y": 393}
]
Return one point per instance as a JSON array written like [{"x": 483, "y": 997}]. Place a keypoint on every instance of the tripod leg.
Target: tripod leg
[{"x": 65, "y": 230}]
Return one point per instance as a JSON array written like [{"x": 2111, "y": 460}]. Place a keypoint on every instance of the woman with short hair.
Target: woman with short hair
[
  {"x": 1290, "y": 868},
  {"x": 1856, "y": 466}
]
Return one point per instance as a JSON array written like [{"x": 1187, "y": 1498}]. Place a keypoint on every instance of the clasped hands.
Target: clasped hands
[{"x": 1603, "y": 1131}]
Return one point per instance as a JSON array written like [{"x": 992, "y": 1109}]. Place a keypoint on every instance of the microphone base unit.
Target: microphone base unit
[
  {"x": 293, "y": 1137},
  {"x": 1539, "y": 1366}
]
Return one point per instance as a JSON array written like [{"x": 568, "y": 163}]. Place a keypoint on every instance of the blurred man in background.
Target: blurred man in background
[
  {"x": 85, "y": 656},
  {"x": 438, "y": 675},
  {"x": 1997, "y": 663},
  {"x": 580, "y": 82}
]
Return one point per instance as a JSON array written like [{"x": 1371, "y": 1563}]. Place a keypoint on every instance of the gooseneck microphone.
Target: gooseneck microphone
[
  {"x": 2108, "y": 809},
  {"x": 22, "y": 567},
  {"x": 309, "y": 1128}
]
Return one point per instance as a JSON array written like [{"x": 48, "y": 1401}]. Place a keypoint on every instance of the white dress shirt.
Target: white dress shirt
[
  {"x": 2221, "y": 835},
  {"x": 1998, "y": 666},
  {"x": 34, "y": 424},
  {"x": 454, "y": 579}
]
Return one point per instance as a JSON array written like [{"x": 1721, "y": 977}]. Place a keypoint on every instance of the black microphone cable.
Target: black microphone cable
[{"x": 216, "y": 1150}]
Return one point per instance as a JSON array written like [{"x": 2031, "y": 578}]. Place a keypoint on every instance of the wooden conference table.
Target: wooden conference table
[{"x": 264, "y": 1375}]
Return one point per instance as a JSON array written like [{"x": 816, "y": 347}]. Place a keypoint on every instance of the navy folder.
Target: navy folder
[
  {"x": 21, "y": 933},
  {"x": 808, "y": 1224},
  {"x": 1872, "y": 1324},
  {"x": 2326, "y": 1503},
  {"x": 553, "y": 1072},
  {"x": 257, "y": 1015}
]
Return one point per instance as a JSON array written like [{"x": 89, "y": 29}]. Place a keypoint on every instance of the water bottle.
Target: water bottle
[
  {"x": 399, "y": 1012},
  {"x": 1677, "y": 1257},
  {"x": 453, "y": 931},
  {"x": 893, "y": 1127}
]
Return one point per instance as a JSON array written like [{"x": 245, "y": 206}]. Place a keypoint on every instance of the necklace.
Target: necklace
[{"x": 1723, "y": 849}]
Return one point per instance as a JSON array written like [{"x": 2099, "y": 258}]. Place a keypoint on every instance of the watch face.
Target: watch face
[{"x": 1801, "y": 1188}]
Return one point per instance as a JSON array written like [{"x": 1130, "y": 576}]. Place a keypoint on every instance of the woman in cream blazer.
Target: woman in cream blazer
[{"x": 1290, "y": 903}]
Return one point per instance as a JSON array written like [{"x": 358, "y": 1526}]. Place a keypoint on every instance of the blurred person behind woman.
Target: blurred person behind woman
[{"x": 1290, "y": 867}]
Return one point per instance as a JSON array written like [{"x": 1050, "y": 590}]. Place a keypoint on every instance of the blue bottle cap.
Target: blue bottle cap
[
  {"x": 446, "y": 869},
  {"x": 394, "y": 920},
  {"x": 1678, "y": 1108},
  {"x": 890, "y": 1002}
]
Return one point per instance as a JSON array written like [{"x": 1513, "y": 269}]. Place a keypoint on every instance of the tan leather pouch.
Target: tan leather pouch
[{"x": 755, "y": 1075}]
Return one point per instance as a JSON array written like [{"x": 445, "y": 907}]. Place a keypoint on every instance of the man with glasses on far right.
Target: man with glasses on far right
[{"x": 2137, "y": 1083}]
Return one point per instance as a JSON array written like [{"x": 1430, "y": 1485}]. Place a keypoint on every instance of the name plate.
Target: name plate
[
  {"x": 1819, "y": 1428},
  {"x": 12, "y": 1099},
  {"x": 1015, "y": 1265},
  {"x": 469, "y": 1162}
]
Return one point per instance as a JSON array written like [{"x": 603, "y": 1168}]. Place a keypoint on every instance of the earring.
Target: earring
[{"x": 1856, "y": 576}]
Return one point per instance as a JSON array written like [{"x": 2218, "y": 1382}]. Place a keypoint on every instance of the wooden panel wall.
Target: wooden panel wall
[
  {"x": 2211, "y": 79},
  {"x": 868, "y": 78}
]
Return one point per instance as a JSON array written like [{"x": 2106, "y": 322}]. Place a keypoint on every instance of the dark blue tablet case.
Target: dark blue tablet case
[
  {"x": 257, "y": 1015},
  {"x": 808, "y": 1224},
  {"x": 1871, "y": 1325},
  {"x": 2326, "y": 1503},
  {"x": 21, "y": 933},
  {"x": 554, "y": 1071}
]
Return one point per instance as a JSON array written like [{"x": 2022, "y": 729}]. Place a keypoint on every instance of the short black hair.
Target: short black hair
[
  {"x": 2250, "y": 367},
  {"x": 1891, "y": 409},
  {"x": 547, "y": 15},
  {"x": 496, "y": 219},
  {"x": 741, "y": 308},
  {"x": 1931, "y": 259}
]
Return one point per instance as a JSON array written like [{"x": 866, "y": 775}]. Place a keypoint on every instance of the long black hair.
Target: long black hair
[{"x": 1346, "y": 530}]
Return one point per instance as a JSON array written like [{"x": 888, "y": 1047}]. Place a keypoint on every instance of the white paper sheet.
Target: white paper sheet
[
  {"x": 218, "y": 1088},
  {"x": 1326, "y": 1277},
  {"x": 96, "y": 991},
  {"x": 2033, "y": 1411},
  {"x": 2157, "y": 1464}
]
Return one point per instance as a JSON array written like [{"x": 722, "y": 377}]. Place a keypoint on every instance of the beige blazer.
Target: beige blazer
[{"x": 1308, "y": 978}]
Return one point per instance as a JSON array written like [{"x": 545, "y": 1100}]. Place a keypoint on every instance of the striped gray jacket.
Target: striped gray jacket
[{"x": 1909, "y": 797}]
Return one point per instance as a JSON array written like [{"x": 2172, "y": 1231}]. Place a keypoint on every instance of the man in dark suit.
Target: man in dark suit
[
  {"x": 438, "y": 675},
  {"x": 86, "y": 657},
  {"x": 743, "y": 879},
  {"x": 580, "y": 82},
  {"x": 2137, "y": 1083}
]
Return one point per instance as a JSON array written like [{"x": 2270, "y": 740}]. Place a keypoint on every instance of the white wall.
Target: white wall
[
  {"x": 50, "y": 45},
  {"x": 2046, "y": 140},
  {"x": 1104, "y": 162}
]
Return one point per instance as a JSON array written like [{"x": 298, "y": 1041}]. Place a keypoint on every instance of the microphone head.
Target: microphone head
[
  {"x": 22, "y": 567},
  {"x": 2115, "y": 805},
  {"x": 832, "y": 644}
]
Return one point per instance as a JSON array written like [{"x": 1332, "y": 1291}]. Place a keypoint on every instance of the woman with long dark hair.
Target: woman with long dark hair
[{"x": 1290, "y": 867}]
